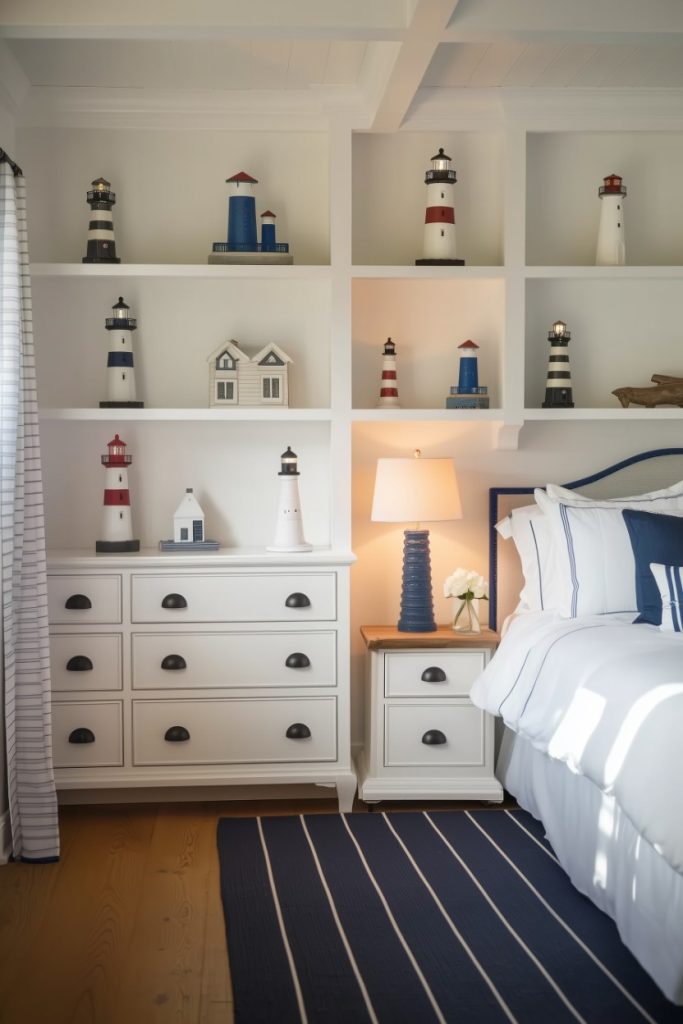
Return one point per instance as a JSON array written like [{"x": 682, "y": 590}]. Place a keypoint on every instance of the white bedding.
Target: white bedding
[{"x": 605, "y": 697}]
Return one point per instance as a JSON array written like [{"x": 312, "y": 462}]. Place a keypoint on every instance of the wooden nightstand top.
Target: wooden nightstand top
[{"x": 389, "y": 637}]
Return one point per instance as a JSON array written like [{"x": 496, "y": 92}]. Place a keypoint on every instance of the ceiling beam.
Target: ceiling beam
[{"x": 425, "y": 32}]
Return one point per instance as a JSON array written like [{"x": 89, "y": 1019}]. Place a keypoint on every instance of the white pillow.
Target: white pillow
[
  {"x": 531, "y": 535},
  {"x": 636, "y": 501},
  {"x": 669, "y": 579},
  {"x": 594, "y": 562}
]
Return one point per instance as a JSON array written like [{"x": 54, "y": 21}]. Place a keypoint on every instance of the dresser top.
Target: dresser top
[
  {"x": 391, "y": 638},
  {"x": 86, "y": 558}
]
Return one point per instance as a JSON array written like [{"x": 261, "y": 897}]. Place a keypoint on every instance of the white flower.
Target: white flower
[{"x": 466, "y": 584}]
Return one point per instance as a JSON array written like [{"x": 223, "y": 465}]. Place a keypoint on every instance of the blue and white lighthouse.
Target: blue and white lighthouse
[
  {"x": 468, "y": 394},
  {"x": 120, "y": 364},
  {"x": 243, "y": 245}
]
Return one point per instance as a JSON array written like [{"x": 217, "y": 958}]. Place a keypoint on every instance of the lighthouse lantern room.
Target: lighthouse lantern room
[
  {"x": 117, "y": 528},
  {"x": 439, "y": 231}
]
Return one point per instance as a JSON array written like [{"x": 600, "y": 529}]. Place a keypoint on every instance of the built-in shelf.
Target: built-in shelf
[
  {"x": 606, "y": 273},
  {"x": 198, "y": 270},
  {"x": 258, "y": 413},
  {"x": 428, "y": 272},
  {"x": 634, "y": 412},
  {"x": 443, "y": 415}
]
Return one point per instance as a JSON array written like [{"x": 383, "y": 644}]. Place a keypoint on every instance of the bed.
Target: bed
[{"x": 592, "y": 701}]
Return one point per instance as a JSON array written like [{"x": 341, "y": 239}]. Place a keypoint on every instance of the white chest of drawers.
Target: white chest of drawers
[
  {"x": 200, "y": 670},
  {"x": 424, "y": 739}
]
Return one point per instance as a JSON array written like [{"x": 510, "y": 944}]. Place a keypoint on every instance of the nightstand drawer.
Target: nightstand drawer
[
  {"x": 431, "y": 673},
  {"x": 286, "y": 597},
  {"x": 83, "y": 599},
  {"x": 234, "y": 731},
  {"x": 429, "y": 734},
  {"x": 87, "y": 735},
  {"x": 190, "y": 660},
  {"x": 85, "y": 661}
]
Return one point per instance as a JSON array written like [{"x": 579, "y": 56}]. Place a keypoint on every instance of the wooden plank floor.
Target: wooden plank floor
[{"x": 127, "y": 928}]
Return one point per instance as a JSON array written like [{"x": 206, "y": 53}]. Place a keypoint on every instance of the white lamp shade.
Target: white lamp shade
[{"x": 415, "y": 491}]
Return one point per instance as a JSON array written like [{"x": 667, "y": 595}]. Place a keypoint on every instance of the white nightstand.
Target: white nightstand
[{"x": 424, "y": 739}]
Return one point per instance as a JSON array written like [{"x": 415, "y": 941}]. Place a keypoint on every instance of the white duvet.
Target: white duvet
[{"x": 604, "y": 696}]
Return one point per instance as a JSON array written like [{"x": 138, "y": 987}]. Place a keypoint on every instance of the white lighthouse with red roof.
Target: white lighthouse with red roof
[
  {"x": 439, "y": 232},
  {"x": 611, "y": 248},
  {"x": 117, "y": 526}
]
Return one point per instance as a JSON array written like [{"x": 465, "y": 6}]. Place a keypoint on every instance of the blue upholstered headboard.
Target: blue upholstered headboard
[{"x": 494, "y": 513}]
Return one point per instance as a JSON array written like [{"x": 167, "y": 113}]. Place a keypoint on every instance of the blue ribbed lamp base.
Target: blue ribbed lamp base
[{"x": 417, "y": 610}]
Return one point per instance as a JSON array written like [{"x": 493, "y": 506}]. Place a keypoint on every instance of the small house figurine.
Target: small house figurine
[
  {"x": 289, "y": 532},
  {"x": 117, "y": 528},
  {"x": 242, "y": 245},
  {"x": 468, "y": 394},
  {"x": 120, "y": 363},
  {"x": 611, "y": 248},
  {"x": 101, "y": 244},
  {"x": 188, "y": 527},
  {"x": 438, "y": 248},
  {"x": 238, "y": 379}
]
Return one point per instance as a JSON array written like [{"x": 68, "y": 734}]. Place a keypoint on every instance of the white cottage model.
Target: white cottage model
[
  {"x": 238, "y": 379},
  {"x": 188, "y": 527}
]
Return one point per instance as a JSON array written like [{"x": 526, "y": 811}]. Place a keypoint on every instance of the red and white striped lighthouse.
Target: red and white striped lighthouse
[
  {"x": 388, "y": 395},
  {"x": 439, "y": 233},
  {"x": 117, "y": 526}
]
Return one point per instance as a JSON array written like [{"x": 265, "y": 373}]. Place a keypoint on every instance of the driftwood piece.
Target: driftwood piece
[{"x": 666, "y": 390}]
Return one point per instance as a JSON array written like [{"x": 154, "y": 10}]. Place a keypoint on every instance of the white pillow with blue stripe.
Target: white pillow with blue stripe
[{"x": 669, "y": 579}]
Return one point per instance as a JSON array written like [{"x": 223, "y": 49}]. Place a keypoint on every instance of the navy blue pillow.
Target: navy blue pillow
[{"x": 654, "y": 538}]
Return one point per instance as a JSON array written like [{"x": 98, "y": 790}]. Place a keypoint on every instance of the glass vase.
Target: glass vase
[{"x": 466, "y": 617}]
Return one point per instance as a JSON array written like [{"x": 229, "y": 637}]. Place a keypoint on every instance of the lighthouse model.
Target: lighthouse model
[
  {"x": 289, "y": 533},
  {"x": 439, "y": 235},
  {"x": 611, "y": 249},
  {"x": 468, "y": 394},
  {"x": 242, "y": 245},
  {"x": 117, "y": 527},
  {"x": 101, "y": 244},
  {"x": 558, "y": 385},
  {"x": 120, "y": 370},
  {"x": 388, "y": 394}
]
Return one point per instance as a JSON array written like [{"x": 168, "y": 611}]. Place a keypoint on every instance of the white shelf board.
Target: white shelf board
[
  {"x": 258, "y": 413},
  {"x": 634, "y": 412},
  {"x": 189, "y": 270},
  {"x": 411, "y": 415},
  {"x": 659, "y": 273},
  {"x": 426, "y": 273},
  {"x": 224, "y": 557}
]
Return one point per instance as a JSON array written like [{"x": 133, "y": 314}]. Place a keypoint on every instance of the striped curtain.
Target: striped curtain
[{"x": 32, "y": 800}]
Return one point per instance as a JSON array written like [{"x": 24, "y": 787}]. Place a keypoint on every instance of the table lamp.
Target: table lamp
[{"x": 416, "y": 490}]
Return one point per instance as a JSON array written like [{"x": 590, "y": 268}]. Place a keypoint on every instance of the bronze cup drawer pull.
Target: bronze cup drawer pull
[
  {"x": 298, "y": 660},
  {"x": 298, "y": 731},
  {"x": 433, "y": 674},
  {"x": 79, "y": 663},
  {"x": 78, "y": 602},
  {"x": 174, "y": 601},
  {"x": 433, "y": 738},
  {"x": 177, "y": 734},
  {"x": 173, "y": 662},
  {"x": 82, "y": 735},
  {"x": 298, "y": 600}
]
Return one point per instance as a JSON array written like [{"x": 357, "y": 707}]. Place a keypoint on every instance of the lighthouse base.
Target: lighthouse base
[
  {"x": 263, "y": 258},
  {"x": 439, "y": 263},
  {"x": 112, "y": 547},
  {"x": 122, "y": 405}
]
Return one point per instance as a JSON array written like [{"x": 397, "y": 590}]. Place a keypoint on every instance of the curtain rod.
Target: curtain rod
[{"x": 16, "y": 169}]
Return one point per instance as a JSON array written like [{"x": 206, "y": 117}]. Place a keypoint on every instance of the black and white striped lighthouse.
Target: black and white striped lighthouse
[
  {"x": 101, "y": 244},
  {"x": 120, "y": 367},
  {"x": 558, "y": 385}
]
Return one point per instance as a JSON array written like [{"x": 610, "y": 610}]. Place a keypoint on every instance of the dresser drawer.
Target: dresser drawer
[
  {"x": 99, "y": 722},
  {"x": 234, "y": 731},
  {"x": 84, "y": 599},
  {"x": 193, "y": 660},
  {"x": 433, "y": 672},
  {"x": 408, "y": 725},
  {"x": 85, "y": 661},
  {"x": 234, "y": 598}
]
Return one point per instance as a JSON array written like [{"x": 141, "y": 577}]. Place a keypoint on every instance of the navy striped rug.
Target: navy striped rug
[{"x": 408, "y": 918}]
